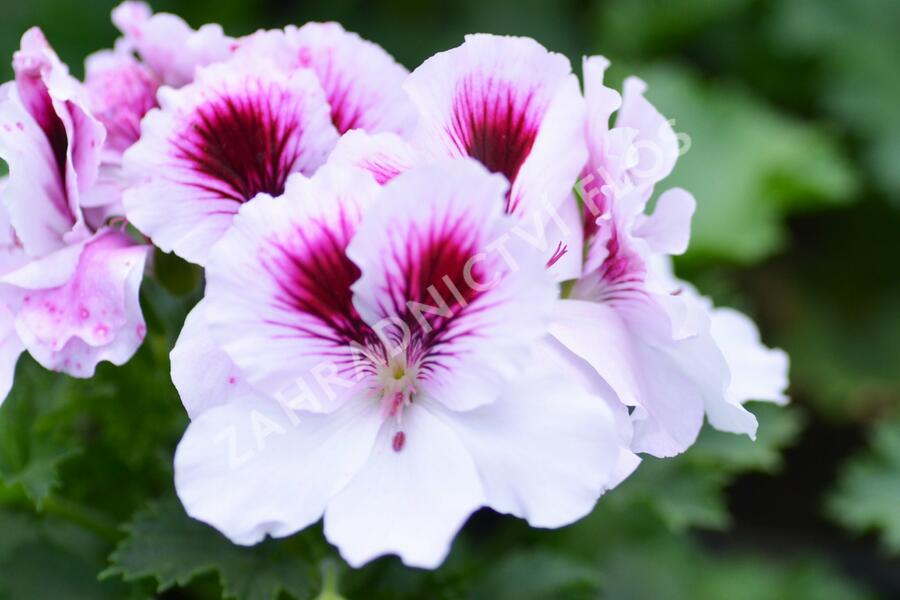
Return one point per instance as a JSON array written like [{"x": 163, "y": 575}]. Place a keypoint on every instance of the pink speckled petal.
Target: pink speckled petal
[{"x": 95, "y": 315}]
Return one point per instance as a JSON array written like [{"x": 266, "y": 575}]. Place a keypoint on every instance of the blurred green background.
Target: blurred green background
[{"x": 792, "y": 109}]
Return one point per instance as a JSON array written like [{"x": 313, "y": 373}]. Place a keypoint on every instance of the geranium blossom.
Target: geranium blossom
[
  {"x": 286, "y": 95},
  {"x": 385, "y": 362},
  {"x": 626, "y": 316},
  {"x": 513, "y": 106},
  {"x": 69, "y": 284},
  {"x": 240, "y": 129}
]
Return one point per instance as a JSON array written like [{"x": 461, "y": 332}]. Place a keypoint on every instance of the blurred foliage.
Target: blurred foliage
[
  {"x": 164, "y": 543},
  {"x": 791, "y": 107},
  {"x": 868, "y": 493}
]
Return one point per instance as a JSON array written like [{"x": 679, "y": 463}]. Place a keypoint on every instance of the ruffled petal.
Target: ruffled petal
[
  {"x": 120, "y": 91},
  {"x": 52, "y": 146},
  {"x": 655, "y": 144},
  {"x": 408, "y": 503},
  {"x": 168, "y": 45},
  {"x": 94, "y": 316},
  {"x": 757, "y": 372},
  {"x": 278, "y": 469},
  {"x": 361, "y": 80},
  {"x": 545, "y": 451},
  {"x": 203, "y": 374},
  {"x": 669, "y": 382},
  {"x": 439, "y": 270},
  {"x": 195, "y": 173},
  {"x": 668, "y": 229},
  {"x": 510, "y": 104},
  {"x": 278, "y": 286}
]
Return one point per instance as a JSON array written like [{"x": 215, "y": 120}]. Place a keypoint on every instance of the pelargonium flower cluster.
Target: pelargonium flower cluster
[{"x": 426, "y": 292}]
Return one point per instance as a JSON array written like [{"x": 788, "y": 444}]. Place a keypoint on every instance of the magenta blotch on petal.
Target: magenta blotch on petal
[{"x": 239, "y": 130}]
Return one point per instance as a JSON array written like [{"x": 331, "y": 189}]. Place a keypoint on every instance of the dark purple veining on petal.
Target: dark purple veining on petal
[
  {"x": 37, "y": 101},
  {"x": 435, "y": 266},
  {"x": 243, "y": 145},
  {"x": 313, "y": 276},
  {"x": 622, "y": 273},
  {"x": 495, "y": 123}
]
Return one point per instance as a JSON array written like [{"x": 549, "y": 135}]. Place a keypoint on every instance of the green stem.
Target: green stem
[
  {"x": 83, "y": 516},
  {"x": 329, "y": 581}
]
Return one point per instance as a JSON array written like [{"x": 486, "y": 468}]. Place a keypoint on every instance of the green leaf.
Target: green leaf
[
  {"x": 857, "y": 50},
  {"x": 867, "y": 496},
  {"x": 688, "y": 490},
  {"x": 642, "y": 27},
  {"x": 164, "y": 543},
  {"x": 31, "y": 447},
  {"x": 538, "y": 575},
  {"x": 48, "y": 558},
  {"x": 676, "y": 569},
  {"x": 747, "y": 165}
]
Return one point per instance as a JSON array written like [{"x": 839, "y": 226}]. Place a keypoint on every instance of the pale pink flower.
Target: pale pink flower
[
  {"x": 386, "y": 364},
  {"x": 119, "y": 90},
  {"x": 362, "y": 82},
  {"x": 167, "y": 45},
  {"x": 68, "y": 283}
]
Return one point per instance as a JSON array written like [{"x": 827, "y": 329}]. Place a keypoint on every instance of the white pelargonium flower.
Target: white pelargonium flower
[
  {"x": 381, "y": 358},
  {"x": 664, "y": 351}
]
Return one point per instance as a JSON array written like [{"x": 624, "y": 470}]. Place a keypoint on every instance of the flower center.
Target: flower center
[{"x": 395, "y": 390}]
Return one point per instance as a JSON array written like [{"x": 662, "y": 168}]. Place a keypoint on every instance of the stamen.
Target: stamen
[
  {"x": 399, "y": 441},
  {"x": 560, "y": 251}
]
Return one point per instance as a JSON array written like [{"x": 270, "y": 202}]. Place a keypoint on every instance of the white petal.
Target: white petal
[
  {"x": 757, "y": 372},
  {"x": 410, "y": 503},
  {"x": 655, "y": 143},
  {"x": 250, "y": 469},
  {"x": 566, "y": 229},
  {"x": 545, "y": 451},
  {"x": 601, "y": 101},
  {"x": 668, "y": 229},
  {"x": 52, "y": 146},
  {"x": 666, "y": 380},
  {"x": 204, "y": 375}
]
